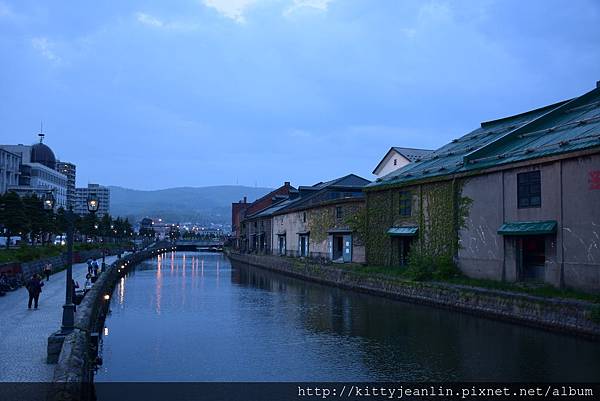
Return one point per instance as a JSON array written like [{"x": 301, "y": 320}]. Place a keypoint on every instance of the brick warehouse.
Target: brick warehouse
[{"x": 517, "y": 199}]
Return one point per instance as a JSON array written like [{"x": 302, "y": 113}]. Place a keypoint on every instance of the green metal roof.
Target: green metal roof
[
  {"x": 528, "y": 228},
  {"x": 403, "y": 231},
  {"x": 562, "y": 127}
]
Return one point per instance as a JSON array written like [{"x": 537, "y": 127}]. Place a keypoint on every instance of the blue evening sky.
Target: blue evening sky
[{"x": 155, "y": 94}]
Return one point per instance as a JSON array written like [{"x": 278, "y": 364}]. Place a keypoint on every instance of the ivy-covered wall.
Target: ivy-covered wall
[{"x": 438, "y": 209}]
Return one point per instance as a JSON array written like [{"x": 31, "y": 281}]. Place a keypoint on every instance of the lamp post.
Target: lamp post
[
  {"x": 48, "y": 203},
  {"x": 68, "y": 318}
]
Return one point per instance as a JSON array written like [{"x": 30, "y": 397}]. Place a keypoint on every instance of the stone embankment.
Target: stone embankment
[
  {"x": 73, "y": 375},
  {"x": 570, "y": 316}
]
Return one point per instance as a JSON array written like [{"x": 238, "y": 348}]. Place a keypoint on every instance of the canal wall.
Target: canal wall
[
  {"x": 74, "y": 372},
  {"x": 569, "y": 316}
]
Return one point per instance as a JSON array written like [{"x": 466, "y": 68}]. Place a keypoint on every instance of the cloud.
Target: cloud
[
  {"x": 233, "y": 9},
  {"x": 155, "y": 22},
  {"x": 298, "y": 5},
  {"x": 6, "y": 11},
  {"x": 149, "y": 20},
  {"x": 45, "y": 48}
]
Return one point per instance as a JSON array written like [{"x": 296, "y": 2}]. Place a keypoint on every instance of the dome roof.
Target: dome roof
[{"x": 42, "y": 154}]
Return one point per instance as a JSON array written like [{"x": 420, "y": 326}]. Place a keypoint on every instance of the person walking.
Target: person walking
[
  {"x": 95, "y": 268},
  {"x": 34, "y": 287},
  {"x": 89, "y": 265},
  {"x": 48, "y": 271}
]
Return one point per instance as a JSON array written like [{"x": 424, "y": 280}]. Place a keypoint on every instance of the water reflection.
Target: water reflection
[{"x": 244, "y": 323}]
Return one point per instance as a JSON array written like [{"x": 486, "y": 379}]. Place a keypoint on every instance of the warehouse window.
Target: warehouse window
[
  {"x": 405, "y": 203},
  {"x": 529, "y": 189}
]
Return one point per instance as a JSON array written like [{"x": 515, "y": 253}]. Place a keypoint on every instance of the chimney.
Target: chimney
[
  {"x": 286, "y": 184},
  {"x": 597, "y": 84},
  {"x": 245, "y": 198}
]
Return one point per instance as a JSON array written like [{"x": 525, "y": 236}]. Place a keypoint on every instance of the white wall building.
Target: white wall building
[
  {"x": 37, "y": 173},
  {"x": 9, "y": 169},
  {"x": 396, "y": 158}
]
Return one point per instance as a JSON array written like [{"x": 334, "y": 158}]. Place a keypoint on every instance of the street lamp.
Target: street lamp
[
  {"x": 48, "y": 200},
  {"x": 68, "y": 318},
  {"x": 93, "y": 204}
]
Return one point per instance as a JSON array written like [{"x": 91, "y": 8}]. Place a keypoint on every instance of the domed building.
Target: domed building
[
  {"x": 41, "y": 153},
  {"x": 38, "y": 173}
]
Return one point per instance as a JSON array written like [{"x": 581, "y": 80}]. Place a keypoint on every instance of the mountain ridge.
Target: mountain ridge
[{"x": 209, "y": 204}]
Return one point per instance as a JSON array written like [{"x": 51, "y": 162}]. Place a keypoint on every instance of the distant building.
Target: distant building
[
  {"x": 9, "y": 169},
  {"x": 237, "y": 213},
  {"x": 83, "y": 194},
  {"x": 68, "y": 169},
  {"x": 37, "y": 172},
  {"x": 397, "y": 157},
  {"x": 316, "y": 224},
  {"x": 240, "y": 210}
]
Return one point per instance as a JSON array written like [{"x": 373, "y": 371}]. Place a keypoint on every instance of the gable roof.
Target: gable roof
[
  {"x": 561, "y": 127},
  {"x": 306, "y": 193},
  {"x": 410, "y": 154},
  {"x": 347, "y": 181}
]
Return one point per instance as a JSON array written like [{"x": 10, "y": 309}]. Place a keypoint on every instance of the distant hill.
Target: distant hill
[{"x": 202, "y": 205}]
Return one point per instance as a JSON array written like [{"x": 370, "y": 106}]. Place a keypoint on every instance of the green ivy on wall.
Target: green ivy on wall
[
  {"x": 439, "y": 210},
  {"x": 320, "y": 221}
]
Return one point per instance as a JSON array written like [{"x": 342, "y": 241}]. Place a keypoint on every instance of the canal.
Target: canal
[{"x": 193, "y": 317}]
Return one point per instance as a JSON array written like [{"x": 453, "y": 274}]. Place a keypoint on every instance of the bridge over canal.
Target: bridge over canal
[{"x": 214, "y": 245}]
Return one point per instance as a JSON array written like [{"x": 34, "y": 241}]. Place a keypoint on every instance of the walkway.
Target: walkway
[{"x": 24, "y": 333}]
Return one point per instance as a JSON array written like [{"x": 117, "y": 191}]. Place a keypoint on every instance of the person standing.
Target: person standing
[
  {"x": 48, "y": 271},
  {"x": 89, "y": 265},
  {"x": 34, "y": 287},
  {"x": 74, "y": 299}
]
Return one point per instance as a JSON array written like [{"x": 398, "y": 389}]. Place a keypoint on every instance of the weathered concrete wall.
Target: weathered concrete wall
[
  {"x": 569, "y": 196},
  {"x": 561, "y": 315},
  {"x": 581, "y": 222},
  {"x": 481, "y": 249}
]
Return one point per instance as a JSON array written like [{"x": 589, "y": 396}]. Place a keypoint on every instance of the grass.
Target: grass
[
  {"x": 536, "y": 289},
  {"x": 28, "y": 253},
  {"x": 540, "y": 290}
]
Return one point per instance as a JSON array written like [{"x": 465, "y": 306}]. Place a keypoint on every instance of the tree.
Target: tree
[
  {"x": 12, "y": 216},
  {"x": 61, "y": 222}
]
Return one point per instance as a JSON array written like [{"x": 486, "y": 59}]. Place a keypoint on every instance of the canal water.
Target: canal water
[{"x": 194, "y": 317}]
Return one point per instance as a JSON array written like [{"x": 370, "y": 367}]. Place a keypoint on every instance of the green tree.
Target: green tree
[
  {"x": 34, "y": 211},
  {"x": 12, "y": 216}
]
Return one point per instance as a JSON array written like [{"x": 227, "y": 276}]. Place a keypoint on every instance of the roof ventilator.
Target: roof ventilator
[
  {"x": 529, "y": 150},
  {"x": 563, "y": 143}
]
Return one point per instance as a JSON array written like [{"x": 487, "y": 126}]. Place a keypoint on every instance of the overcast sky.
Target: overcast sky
[{"x": 155, "y": 94}]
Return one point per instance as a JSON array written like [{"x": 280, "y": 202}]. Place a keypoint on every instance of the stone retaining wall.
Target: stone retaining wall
[
  {"x": 74, "y": 371},
  {"x": 569, "y": 316},
  {"x": 27, "y": 269}
]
